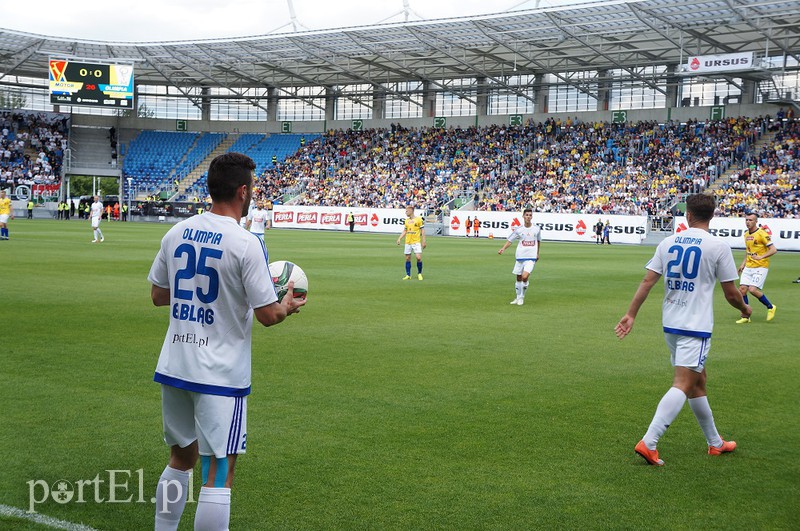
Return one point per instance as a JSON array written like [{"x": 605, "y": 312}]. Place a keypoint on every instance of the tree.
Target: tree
[{"x": 80, "y": 185}]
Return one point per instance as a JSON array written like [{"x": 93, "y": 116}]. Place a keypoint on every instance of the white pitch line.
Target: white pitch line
[{"x": 55, "y": 523}]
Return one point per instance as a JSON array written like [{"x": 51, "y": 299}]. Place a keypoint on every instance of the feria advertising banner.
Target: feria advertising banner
[{"x": 335, "y": 218}]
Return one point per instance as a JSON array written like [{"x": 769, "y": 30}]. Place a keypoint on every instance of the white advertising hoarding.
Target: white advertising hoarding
[
  {"x": 785, "y": 233},
  {"x": 699, "y": 64},
  {"x": 555, "y": 227}
]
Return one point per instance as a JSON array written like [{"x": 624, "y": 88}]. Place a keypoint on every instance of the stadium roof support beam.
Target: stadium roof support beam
[
  {"x": 400, "y": 69},
  {"x": 198, "y": 102},
  {"x": 27, "y": 56},
  {"x": 716, "y": 45},
  {"x": 480, "y": 71},
  {"x": 195, "y": 101},
  {"x": 563, "y": 27},
  {"x": 736, "y": 7},
  {"x": 352, "y": 73},
  {"x": 540, "y": 66}
]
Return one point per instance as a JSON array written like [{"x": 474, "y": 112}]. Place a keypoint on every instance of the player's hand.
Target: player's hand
[
  {"x": 624, "y": 326},
  {"x": 424, "y": 245},
  {"x": 292, "y": 305},
  {"x": 500, "y": 251},
  {"x": 398, "y": 242}
]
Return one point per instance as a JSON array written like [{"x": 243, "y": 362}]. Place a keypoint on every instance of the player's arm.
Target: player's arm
[
  {"x": 402, "y": 235},
  {"x": 159, "y": 295},
  {"x": 249, "y": 222},
  {"x": 274, "y": 313},
  {"x": 625, "y": 324},
  {"x": 770, "y": 251},
  {"x": 734, "y": 298},
  {"x": 744, "y": 261},
  {"x": 422, "y": 237},
  {"x": 504, "y": 247}
]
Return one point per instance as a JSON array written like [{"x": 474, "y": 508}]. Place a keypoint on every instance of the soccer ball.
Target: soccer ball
[{"x": 282, "y": 272}]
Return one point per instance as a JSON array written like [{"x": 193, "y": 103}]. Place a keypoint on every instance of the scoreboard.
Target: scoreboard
[{"x": 92, "y": 84}]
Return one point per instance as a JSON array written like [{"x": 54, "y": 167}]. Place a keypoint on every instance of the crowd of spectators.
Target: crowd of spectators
[
  {"x": 32, "y": 146},
  {"x": 637, "y": 168},
  {"x": 396, "y": 166},
  {"x": 768, "y": 185},
  {"x": 553, "y": 166}
]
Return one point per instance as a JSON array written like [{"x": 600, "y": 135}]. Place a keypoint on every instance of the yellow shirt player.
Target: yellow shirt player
[
  {"x": 414, "y": 232},
  {"x": 5, "y": 213},
  {"x": 755, "y": 266}
]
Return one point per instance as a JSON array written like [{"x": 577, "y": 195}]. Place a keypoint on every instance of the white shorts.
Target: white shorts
[
  {"x": 416, "y": 248},
  {"x": 95, "y": 222},
  {"x": 3, "y": 218},
  {"x": 524, "y": 265},
  {"x": 687, "y": 351},
  {"x": 754, "y": 276},
  {"x": 217, "y": 423}
]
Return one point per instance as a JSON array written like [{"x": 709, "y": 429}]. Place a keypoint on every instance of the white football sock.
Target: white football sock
[
  {"x": 702, "y": 412},
  {"x": 669, "y": 407},
  {"x": 518, "y": 288},
  {"x": 213, "y": 510},
  {"x": 100, "y": 233},
  {"x": 173, "y": 486},
  {"x": 524, "y": 288},
  {"x": 95, "y": 234}
]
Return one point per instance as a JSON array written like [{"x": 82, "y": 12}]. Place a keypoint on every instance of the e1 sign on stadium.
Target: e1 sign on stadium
[{"x": 93, "y": 84}]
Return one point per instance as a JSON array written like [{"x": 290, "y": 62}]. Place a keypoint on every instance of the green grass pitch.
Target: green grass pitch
[{"x": 401, "y": 405}]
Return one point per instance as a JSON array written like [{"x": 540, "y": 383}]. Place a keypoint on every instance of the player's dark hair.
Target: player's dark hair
[
  {"x": 527, "y": 210},
  {"x": 701, "y": 206},
  {"x": 227, "y": 173}
]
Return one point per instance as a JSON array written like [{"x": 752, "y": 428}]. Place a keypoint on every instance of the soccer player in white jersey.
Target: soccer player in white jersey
[
  {"x": 214, "y": 276},
  {"x": 95, "y": 214},
  {"x": 691, "y": 262},
  {"x": 257, "y": 220},
  {"x": 530, "y": 240}
]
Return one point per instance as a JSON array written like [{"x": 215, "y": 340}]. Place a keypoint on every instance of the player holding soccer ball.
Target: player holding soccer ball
[
  {"x": 692, "y": 262},
  {"x": 414, "y": 232},
  {"x": 213, "y": 274},
  {"x": 530, "y": 240}
]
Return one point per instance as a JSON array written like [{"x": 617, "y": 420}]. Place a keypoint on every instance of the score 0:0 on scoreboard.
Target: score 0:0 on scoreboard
[{"x": 92, "y": 84}]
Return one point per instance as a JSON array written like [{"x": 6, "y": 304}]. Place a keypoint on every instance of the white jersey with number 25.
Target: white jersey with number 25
[{"x": 217, "y": 273}]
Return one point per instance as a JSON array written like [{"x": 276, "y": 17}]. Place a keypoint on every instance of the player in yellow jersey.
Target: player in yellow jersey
[
  {"x": 5, "y": 212},
  {"x": 755, "y": 266},
  {"x": 414, "y": 232}
]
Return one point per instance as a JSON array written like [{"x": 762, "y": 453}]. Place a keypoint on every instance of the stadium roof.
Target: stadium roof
[{"x": 596, "y": 36}]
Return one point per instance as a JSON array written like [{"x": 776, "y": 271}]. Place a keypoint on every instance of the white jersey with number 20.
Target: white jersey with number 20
[
  {"x": 692, "y": 262},
  {"x": 207, "y": 348}
]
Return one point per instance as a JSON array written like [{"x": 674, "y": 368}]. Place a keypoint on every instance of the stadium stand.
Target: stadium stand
[
  {"x": 32, "y": 146},
  {"x": 554, "y": 166},
  {"x": 768, "y": 185}
]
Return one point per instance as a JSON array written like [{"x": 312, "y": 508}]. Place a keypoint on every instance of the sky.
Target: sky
[{"x": 175, "y": 20}]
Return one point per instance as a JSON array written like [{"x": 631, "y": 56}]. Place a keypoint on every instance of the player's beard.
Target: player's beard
[{"x": 247, "y": 199}]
